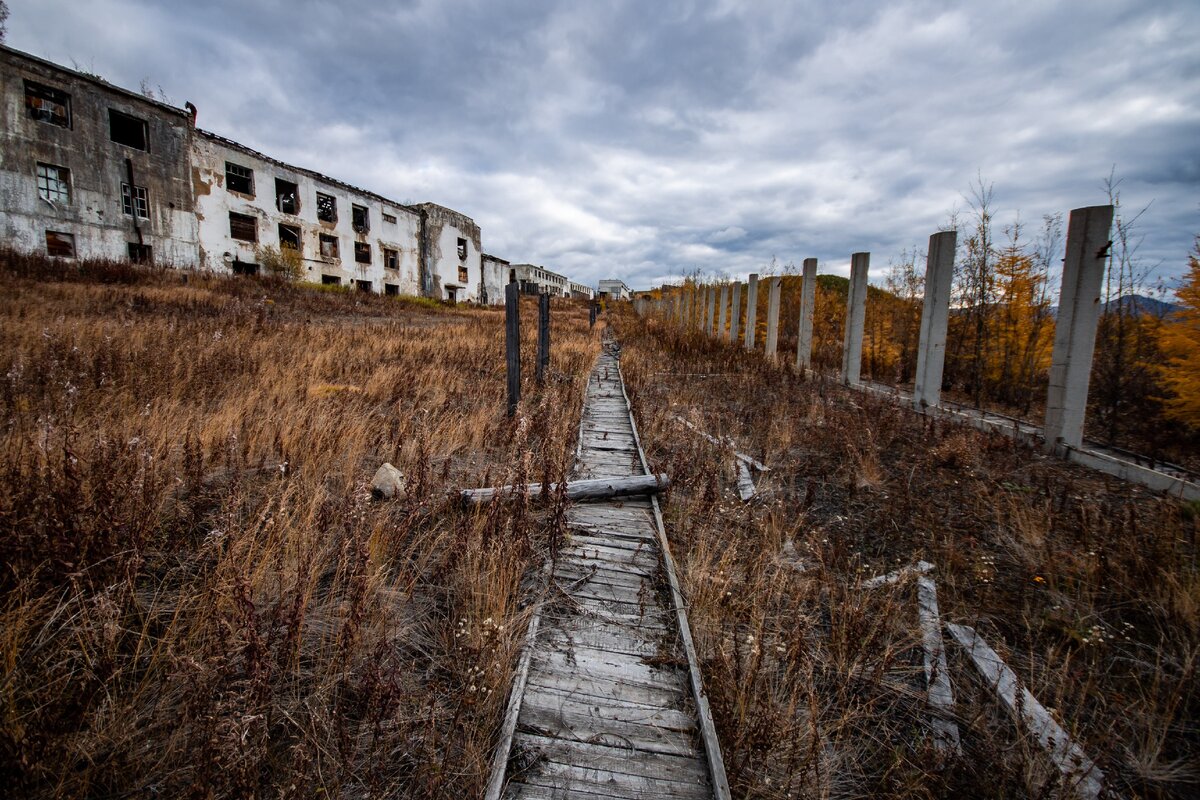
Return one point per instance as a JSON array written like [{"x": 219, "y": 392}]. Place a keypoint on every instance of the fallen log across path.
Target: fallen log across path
[{"x": 577, "y": 491}]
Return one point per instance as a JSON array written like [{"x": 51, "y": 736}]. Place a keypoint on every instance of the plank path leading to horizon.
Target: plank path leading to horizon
[{"x": 607, "y": 708}]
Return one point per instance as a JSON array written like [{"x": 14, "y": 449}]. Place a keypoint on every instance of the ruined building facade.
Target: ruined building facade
[{"x": 91, "y": 170}]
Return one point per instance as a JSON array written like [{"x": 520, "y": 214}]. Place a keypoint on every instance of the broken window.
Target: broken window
[
  {"x": 239, "y": 179},
  {"x": 127, "y": 130},
  {"x": 360, "y": 219},
  {"x": 287, "y": 196},
  {"x": 60, "y": 244},
  {"x": 462, "y": 275},
  {"x": 391, "y": 258},
  {"x": 134, "y": 200},
  {"x": 243, "y": 227},
  {"x": 363, "y": 286},
  {"x": 462, "y": 249},
  {"x": 362, "y": 252},
  {"x": 289, "y": 237},
  {"x": 391, "y": 289},
  {"x": 326, "y": 207},
  {"x": 54, "y": 183},
  {"x": 331, "y": 280},
  {"x": 48, "y": 105},
  {"x": 329, "y": 246},
  {"x": 140, "y": 253},
  {"x": 245, "y": 267},
  {"x": 389, "y": 218}
]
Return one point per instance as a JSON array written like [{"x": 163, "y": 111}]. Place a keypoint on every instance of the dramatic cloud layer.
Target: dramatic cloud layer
[{"x": 644, "y": 140}]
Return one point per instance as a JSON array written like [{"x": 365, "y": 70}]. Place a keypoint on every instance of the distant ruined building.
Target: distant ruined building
[{"x": 91, "y": 170}]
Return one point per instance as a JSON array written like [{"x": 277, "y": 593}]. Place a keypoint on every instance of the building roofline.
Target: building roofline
[
  {"x": 98, "y": 81},
  {"x": 494, "y": 258}
]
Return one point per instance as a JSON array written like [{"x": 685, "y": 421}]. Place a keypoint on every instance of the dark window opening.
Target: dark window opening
[
  {"x": 140, "y": 253},
  {"x": 331, "y": 280},
  {"x": 362, "y": 252},
  {"x": 239, "y": 179},
  {"x": 326, "y": 207},
  {"x": 363, "y": 286},
  {"x": 48, "y": 105},
  {"x": 287, "y": 196},
  {"x": 329, "y": 246},
  {"x": 60, "y": 244},
  {"x": 135, "y": 201},
  {"x": 54, "y": 183},
  {"x": 243, "y": 227},
  {"x": 462, "y": 275},
  {"x": 360, "y": 219},
  {"x": 391, "y": 289},
  {"x": 391, "y": 259},
  {"x": 389, "y": 218},
  {"x": 462, "y": 249},
  {"x": 289, "y": 237},
  {"x": 245, "y": 267},
  {"x": 127, "y": 130}
]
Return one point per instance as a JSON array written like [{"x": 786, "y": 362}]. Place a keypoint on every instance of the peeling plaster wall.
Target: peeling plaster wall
[
  {"x": 495, "y": 278},
  {"x": 443, "y": 228},
  {"x": 94, "y": 215},
  {"x": 214, "y": 202}
]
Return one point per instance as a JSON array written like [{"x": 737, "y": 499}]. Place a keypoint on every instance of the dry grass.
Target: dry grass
[
  {"x": 198, "y": 596},
  {"x": 1090, "y": 587}
]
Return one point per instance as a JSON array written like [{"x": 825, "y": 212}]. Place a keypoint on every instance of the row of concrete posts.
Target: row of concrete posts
[{"x": 709, "y": 307}]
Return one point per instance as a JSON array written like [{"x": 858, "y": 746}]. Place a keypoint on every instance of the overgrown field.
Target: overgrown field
[
  {"x": 199, "y": 598},
  {"x": 1088, "y": 586}
]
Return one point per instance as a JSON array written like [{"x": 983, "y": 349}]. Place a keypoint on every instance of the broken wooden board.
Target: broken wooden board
[
  {"x": 607, "y": 704},
  {"x": 577, "y": 491},
  {"x": 937, "y": 674}
]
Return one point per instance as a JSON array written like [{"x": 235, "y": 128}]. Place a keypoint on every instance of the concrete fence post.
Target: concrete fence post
[
  {"x": 774, "y": 288},
  {"x": 711, "y": 327},
  {"x": 935, "y": 315},
  {"x": 751, "y": 309},
  {"x": 808, "y": 302},
  {"x": 1075, "y": 329},
  {"x": 735, "y": 313},
  {"x": 723, "y": 305},
  {"x": 856, "y": 317}
]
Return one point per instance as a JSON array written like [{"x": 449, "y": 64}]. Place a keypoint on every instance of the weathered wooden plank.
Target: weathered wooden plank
[
  {"x": 746, "y": 488},
  {"x": 937, "y": 673},
  {"x": 919, "y": 568},
  {"x": 572, "y": 777},
  {"x": 595, "y": 489},
  {"x": 602, "y": 688},
  {"x": 567, "y": 724},
  {"x": 604, "y": 712},
  {"x": 600, "y": 665},
  {"x": 616, "y": 758}
]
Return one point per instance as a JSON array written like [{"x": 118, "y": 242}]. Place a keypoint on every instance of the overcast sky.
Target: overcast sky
[{"x": 646, "y": 139}]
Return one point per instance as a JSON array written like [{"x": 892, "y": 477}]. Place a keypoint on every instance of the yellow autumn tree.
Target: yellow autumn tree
[
  {"x": 1022, "y": 330},
  {"x": 1180, "y": 342}
]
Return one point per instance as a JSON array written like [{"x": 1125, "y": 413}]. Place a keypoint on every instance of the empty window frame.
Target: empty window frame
[
  {"x": 127, "y": 130},
  {"x": 326, "y": 207},
  {"x": 135, "y": 200},
  {"x": 391, "y": 289},
  {"x": 391, "y": 258},
  {"x": 462, "y": 249},
  {"x": 243, "y": 227},
  {"x": 360, "y": 218},
  {"x": 329, "y": 246},
  {"x": 140, "y": 253},
  {"x": 287, "y": 196},
  {"x": 363, "y": 286},
  {"x": 462, "y": 275},
  {"x": 47, "y": 104},
  {"x": 245, "y": 267},
  {"x": 289, "y": 237},
  {"x": 60, "y": 244},
  {"x": 239, "y": 179},
  {"x": 331, "y": 280},
  {"x": 389, "y": 218},
  {"x": 54, "y": 183},
  {"x": 362, "y": 252}
]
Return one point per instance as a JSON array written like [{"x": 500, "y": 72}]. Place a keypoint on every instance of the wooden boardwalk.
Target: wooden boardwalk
[{"x": 607, "y": 701}]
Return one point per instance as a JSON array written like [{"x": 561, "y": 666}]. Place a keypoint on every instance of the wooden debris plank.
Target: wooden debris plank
[
  {"x": 746, "y": 488},
  {"x": 611, "y": 710},
  {"x": 558, "y": 774},
  {"x": 920, "y": 568},
  {"x": 581, "y": 727},
  {"x": 612, "y": 689},
  {"x": 937, "y": 673},
  {"x": 615, "y": 758}
]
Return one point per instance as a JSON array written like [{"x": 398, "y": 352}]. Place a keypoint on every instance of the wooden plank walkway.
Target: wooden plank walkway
[{"x": 607, "y": 702}]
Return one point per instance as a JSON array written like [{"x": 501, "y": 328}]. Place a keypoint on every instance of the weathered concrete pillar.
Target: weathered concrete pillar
[
  {"x": 808, "y": 302},
  {"x": 935, "y": 314},
  {"x": 1075, "y": 329},
  {"x": 751, "y": 309},
  {"x": 735, "y": 312},
  {"x": 706, "y": 321},
  {"x": 856, "y": 317},
  {"x": 772, "y": 342},
  {"x": 724, "y": 310},
  {"x": 711, "y": 327}
]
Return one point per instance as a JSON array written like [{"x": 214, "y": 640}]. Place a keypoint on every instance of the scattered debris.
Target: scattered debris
[
  {"x": 593, "y": 489},
  {"x": 746, "y": 489},
  {"x": 937, "y": 675},
  {"x": 745, "y": 459},
  {"x": 920, "y": 568},
  {"x": 388, "y": 483}
]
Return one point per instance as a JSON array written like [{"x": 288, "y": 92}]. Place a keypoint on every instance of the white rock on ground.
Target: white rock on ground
[{"x": 388, "y": 483}]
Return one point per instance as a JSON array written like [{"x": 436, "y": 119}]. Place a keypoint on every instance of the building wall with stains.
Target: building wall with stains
[
  {"x": 495, "y": 278},
  {"x": 453, "y": 254},
  {"x": 382, "y": 256},
  {"x": 62, "y": 167}
]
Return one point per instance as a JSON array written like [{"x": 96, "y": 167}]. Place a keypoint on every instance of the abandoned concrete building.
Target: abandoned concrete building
[
  {"x": 614, "y": 289},
  {"x": 538, "y": 280},
  {"x": 581, "y": 291},
  {"x": 496, "y": 274},
  {"x": 91, "y": 170}
]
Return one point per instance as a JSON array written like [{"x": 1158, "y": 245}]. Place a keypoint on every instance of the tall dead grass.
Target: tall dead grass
[{"x": 199, "y": 597}]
